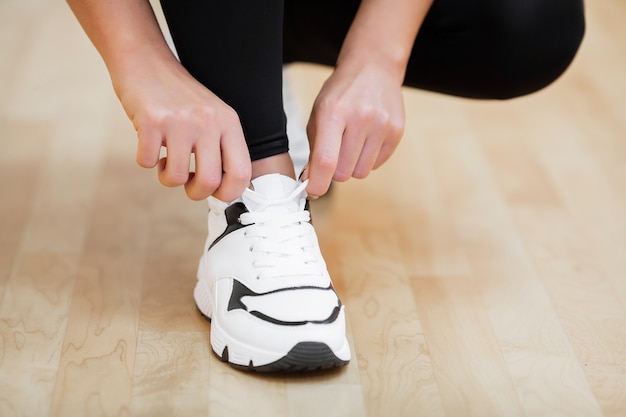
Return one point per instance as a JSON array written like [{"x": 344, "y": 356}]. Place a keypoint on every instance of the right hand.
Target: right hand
[
  {"x": 356, "y": 124},
  {"x": 168, "y": 107}
]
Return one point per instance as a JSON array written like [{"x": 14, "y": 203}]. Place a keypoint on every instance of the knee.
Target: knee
[{"x": 537, "y": 41}]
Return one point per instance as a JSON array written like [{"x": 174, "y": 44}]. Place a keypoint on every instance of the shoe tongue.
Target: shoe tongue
[
  {"x": 274, "y": 186},
  {"x": 268, "y": 188}
]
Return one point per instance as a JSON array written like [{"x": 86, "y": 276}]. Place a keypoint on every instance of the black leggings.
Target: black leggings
[{"x": 485, "y": 49}]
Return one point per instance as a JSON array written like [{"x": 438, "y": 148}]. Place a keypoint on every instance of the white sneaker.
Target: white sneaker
[{"x": 263, "y": 283}]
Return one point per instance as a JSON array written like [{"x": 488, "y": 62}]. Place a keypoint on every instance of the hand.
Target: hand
[
  {"x": 170, "y": 108},
  {"x": 356, "y": 124}
]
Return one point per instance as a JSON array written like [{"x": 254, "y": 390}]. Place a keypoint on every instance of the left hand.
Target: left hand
[{"x": 356, "y": 123}]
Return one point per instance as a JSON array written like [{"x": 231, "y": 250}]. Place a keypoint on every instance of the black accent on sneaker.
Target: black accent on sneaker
[
  {"x": 233, "y": 212},
  {"x": 224, "y": 357},
  {"x": 333, "y": 316},
  {"x": 305, "y": 356},
  {"x": 239, "y": 291}
]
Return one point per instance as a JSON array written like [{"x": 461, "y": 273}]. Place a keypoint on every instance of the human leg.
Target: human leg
[
  {"x": 495, "y": 49},
  {"x": 483, "y": 49}
]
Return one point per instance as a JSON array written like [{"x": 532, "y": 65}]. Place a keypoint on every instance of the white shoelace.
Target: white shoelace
[{"x": 283, "y": 242}]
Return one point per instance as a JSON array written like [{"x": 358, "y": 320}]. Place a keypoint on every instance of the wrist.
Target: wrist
[
  {"x": 133, "y": 67},
  {"x": 391, "y": 64},
  {"x": 382, "y": 35},
  {"x": 363, "y": 48}
]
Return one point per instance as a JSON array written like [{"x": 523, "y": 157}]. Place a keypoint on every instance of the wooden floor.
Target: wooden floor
[{"x": 483, "y": 268}]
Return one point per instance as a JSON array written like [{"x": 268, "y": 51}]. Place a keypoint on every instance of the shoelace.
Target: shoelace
[{"x": 282, "y": 242}]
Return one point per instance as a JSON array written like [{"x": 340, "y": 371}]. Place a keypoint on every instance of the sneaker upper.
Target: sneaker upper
[{"x": 263, "y": 252}]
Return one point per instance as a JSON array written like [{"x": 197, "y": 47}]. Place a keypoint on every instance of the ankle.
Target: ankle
[{"x": 277, "y": 164}]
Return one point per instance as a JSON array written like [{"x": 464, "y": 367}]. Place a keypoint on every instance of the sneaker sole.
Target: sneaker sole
[{"x": 303, "y": 357}]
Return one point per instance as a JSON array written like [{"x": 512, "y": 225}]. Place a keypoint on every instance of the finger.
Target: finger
[
  {"x": 325, "y": 149},
  {"x": 371, "y": 149},
  {"x": 389, "y": 146},
  {"x": 236, "y": 165},
  {"x": 350, "y": 151},
  {"x": 149, "y": 143},
  {"x": 208, "y": 175},
  {"x": 383, "y": 156},
  {"x": 174, "y": 169}
]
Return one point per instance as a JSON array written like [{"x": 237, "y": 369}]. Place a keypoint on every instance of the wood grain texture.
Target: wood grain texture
[
  {"x": 171, "y": 374},
  {"x": 483, "y": 268}
]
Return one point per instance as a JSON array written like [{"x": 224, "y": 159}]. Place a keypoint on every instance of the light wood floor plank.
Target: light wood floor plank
[
  {"x": 592, "y": 315},
  {"x": 535, "y": 348},
  {"x": 603, "y": 51},
  {"x": 393, "y": 358},
  {"x": 175, "y": 241},
  {"x": 97, "y": 361},
  {"x": 550, "y": 238},
  {"x": 33, "y": 317},
  {"x": 17, "y": 196},
  {"x": 171, "y": 374},
  {"x": 470, "y": 370},
  {"x": 582, "y": 184},
  {"x": 326, "y": 399},
  {"x": 236, "y": 394},
  {"x": 49, "y": 205}
]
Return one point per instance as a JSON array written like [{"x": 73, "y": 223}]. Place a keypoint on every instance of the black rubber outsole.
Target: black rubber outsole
[{"x": 303, "y": 357}]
